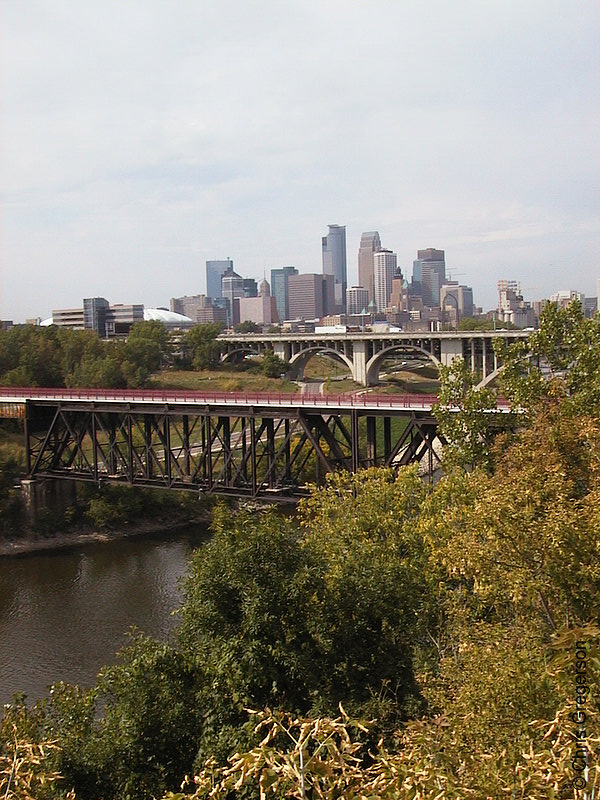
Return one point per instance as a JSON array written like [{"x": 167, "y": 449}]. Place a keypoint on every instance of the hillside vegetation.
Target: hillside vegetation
[{"x": 393, "y": 640}]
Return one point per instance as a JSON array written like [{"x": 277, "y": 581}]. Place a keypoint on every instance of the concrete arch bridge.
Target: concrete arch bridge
[{"x": 365, "y": 353}]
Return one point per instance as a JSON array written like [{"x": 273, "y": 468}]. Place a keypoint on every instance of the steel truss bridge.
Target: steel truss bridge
[{"x": 239, "y": 444}]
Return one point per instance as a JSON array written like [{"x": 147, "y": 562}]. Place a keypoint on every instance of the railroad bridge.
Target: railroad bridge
[
  {"x": 365, "y": 353},
  {"x": 253, "y": 445}
]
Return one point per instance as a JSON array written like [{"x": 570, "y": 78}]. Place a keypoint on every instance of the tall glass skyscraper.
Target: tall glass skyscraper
[
  {"x": 280, "y": 290},
  {"x": 429, "y": 275},
  {"x": 214, "y": 272},
  {"x": 334, "y": 262}
]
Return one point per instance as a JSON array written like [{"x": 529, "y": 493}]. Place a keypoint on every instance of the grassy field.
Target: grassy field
[
  {"x": 344, "y": 386},
  {"x": 323, "y": 367},
  {"x": 221, "y": 380}
]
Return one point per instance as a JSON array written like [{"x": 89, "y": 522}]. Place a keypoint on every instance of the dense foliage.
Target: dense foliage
[
  {"x": 53, "y": 356},
  {"x": 392, "y": 640}
]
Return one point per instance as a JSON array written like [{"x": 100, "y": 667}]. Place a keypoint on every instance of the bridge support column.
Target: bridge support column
[
  {"x": 484, "y": 370},
  {"x": 282, "y": 349},
  {"x": 359, "y": 363},
  {"x": 371, "y": 441},
  {"x": 43, "y": 495},
  {"x": 451, "y": 349}
]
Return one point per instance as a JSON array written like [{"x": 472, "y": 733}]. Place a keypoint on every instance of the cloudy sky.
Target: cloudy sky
[{"x": 139, "y": 138}]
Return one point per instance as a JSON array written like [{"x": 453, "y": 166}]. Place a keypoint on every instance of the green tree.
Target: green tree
[
  {"x": 136, "y": 734},
  {"x": 198, "y": 347},
  {"x": 464, "y": 415},
  {"x": 271, "y": 365},
  {"x": 155, "y": 332},
  {"x": 247, "y": 326},
  {"x": 560, "y": 359}
]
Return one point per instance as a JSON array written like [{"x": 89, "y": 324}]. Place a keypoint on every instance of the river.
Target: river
[{"x": 65, "y": 613}]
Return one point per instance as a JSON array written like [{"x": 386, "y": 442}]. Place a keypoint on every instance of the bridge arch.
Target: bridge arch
[
  {"x": 238, "y": 355},
  {"x": 300, "y": 360},
  {"x": 375, "y": 362}
]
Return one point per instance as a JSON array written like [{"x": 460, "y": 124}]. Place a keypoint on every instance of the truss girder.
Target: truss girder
[{"x": 253, "y": 452}]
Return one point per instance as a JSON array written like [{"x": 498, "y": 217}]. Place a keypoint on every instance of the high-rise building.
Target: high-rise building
[
  {"x": 370, "y": 243},
  {"x": 429, "y": 275},
  {"x": 456, "y": 302},
  {"x": 357, "y": 300},
  {"x": 399, "y": 295},
  {"x": 190, "y": 305},
  {"x": 334, "y": 262},
  {"x": 232, "y": 288},
  {"x": 280, "y": 290},
  {"x": 311, "y": 296},
  {"x": 250, "y": 287},
  {"x": 214, "y": 272},
  {"x": 384, "y": 265},
  {"x": 260, "y": 309},
  {"x": 512, "y": 307}
]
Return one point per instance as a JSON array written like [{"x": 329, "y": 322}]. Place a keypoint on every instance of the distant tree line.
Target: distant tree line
[{"x": 61, "y": 357}]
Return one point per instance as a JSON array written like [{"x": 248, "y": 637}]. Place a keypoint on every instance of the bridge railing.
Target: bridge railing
[{"x": 350, "y": 400}]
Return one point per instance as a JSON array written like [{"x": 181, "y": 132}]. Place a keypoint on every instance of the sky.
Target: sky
[{"x": 140, "y": 138}]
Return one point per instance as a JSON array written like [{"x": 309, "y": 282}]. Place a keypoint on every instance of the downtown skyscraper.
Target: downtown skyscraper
[
  {"x": 334, "y": 262},
  {"x": 385, "y": 263},
  {"x": 370, "y": 243}
]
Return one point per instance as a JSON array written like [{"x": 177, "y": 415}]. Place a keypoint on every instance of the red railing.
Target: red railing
[
  {"x": 425, "y": 401},
  {"x": 236, "y": 398}
]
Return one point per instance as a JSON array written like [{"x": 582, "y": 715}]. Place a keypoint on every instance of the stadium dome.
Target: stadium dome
[{"x": 171, "y": 320}]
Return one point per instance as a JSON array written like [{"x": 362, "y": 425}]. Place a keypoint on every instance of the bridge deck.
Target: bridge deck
[{"x": 364, "y": 401}]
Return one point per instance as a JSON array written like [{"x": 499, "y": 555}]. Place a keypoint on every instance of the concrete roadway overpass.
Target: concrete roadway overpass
[{"x": 364, "y": 353}]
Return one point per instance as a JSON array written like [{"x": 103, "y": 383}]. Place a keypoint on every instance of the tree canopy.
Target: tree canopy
[{"x": 390, "y": 640}]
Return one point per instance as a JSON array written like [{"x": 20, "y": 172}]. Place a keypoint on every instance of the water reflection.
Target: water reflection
[{"x": 65, "y": 614}]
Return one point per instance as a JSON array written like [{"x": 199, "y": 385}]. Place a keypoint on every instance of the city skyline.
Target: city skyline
[{"x": 126, "y": 166}]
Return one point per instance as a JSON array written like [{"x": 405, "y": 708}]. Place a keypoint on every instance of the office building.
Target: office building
[
  {"x": 334, "y": 262},
  {"x": 456, "y": 302},
  {"x": 94, "y": 314},
  {"x": 214, "y": 272},
  {"x": 232, "y": 288},
  {"x": 512, "y": 307},
  {"x": 280, "y": 290},
  {"x": 189, "y": 305},
  {"x": 311, "y": 296},
  {"x": 68, "y": 318},
  {"x": 564, "y": 297},
  {"x": 120, "y": 318},
  {"x": 98, "y": 315},
  {"x": 399, "y": 295},
  {"x": 212, "y": 313},
  {"x": 370, "y": 243},
  {"x": 384, "y": 266},
  {"x": 429, "y": 275},
  {"x": 357, "y": 300},
  {"x": 261, "y": 309}
]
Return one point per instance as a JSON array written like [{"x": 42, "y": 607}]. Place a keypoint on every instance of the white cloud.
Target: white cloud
[{"x": 141, "y": 138}]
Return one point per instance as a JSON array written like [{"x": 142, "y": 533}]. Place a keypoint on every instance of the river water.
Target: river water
[{"x": 64, "y": 614}]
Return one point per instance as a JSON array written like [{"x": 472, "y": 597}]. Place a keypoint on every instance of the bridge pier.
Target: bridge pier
[
  {"x": 43, "y": 495},
  {"x": 450, "y": 350},
  {"x": 359, "y": 363}
]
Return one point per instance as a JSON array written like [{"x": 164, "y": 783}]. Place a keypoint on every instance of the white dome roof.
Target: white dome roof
[{"x": 167, "y": 317}]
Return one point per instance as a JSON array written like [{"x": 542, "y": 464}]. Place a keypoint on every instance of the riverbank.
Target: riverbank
[{"x": 35, "y": 543}]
